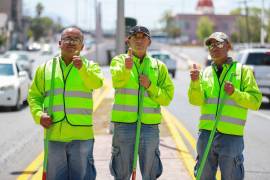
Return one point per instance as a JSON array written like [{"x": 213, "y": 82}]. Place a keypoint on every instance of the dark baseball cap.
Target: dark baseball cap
[
  {"x": 138, "y": 29},
  {"x": 218, "y": 36}
]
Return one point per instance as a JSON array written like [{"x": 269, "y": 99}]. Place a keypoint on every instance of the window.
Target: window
[
  {"x": 163, "y": 57},
  {"x": 259, "y": 59},
  {"x": 6, "y": 70}
]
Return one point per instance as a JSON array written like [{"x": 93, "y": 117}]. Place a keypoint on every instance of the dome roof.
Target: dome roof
[{"x": 205, "y": 3}]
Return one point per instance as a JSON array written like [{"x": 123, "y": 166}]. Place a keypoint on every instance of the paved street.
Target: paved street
[{"x": 21, "y": 139}]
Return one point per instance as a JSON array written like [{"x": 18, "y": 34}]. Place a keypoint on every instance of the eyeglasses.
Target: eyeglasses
[
  {"x": 216, "y": 44},
  {"x": 71, "y": 41}
]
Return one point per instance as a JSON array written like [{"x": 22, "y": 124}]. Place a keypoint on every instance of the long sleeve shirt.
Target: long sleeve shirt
[
  {"x": 162, "y": 92},
  {"x": 248, "y": 96},
  {"x": 91, "y": 74}
]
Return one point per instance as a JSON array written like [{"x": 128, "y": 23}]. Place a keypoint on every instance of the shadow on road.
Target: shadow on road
[
  {"x": 265, "y": 105},
  {"x": 10, "y": 109},
  {"x": 173, "y": 148},
  {"x": 22, "y": 172}
]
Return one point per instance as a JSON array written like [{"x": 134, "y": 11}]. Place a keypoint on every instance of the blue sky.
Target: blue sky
[{"x": 147, "y": 12}]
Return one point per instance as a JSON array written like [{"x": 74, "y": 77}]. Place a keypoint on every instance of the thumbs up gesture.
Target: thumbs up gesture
[
  {"x": 128, "y": 60},
  {"x": 77, "y": 62},
  {"x": 194, "y": 73}
]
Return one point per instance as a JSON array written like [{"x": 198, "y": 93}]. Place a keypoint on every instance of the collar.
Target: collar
[{"x": 225, "y": 64}]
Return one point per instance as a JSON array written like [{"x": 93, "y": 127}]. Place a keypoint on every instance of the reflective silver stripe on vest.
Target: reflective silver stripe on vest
[
  {"x": 129, "y": 91},
  {"x": 229, "y": 102},
  {"x": 125, "y": 108},
  {"x": 78, "y": 94},
  {"x": 224, "y": 119},
  {"x": 56, "y": 92},
  {"x": 70, "y": 93},
  {"x": 56, "y": 108},
  {"x": 128, "y": 108},
  {"x": 151, "y": 110},
  {"x": 81, "y": 111}
]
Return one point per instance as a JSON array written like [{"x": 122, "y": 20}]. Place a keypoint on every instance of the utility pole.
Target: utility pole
[
  {"x": 247, "y": 32},
  {"x": 247, "y": 22},
  {"x": 262, "y": 24},
  {"x": 120, "y": 27},
  {"x": 76, "y": 12}
]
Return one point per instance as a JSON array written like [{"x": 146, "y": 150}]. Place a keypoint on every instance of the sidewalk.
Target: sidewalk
[{"x": 173, "y": 167}]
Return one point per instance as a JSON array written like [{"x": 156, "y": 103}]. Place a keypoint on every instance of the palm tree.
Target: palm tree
[{"x": 39, "y": 9}]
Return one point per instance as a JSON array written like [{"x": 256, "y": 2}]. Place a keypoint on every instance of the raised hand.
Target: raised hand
[
  {"x": 128, "y": 60},
  {"x": 194, "y": 73},
  {"x": 228, "y": 88},
  {"x": 144, "y": 81}
]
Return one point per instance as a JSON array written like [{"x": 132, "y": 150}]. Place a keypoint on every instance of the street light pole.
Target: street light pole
[
  {"x": 262, "y": 24},
  {"x": 120, "y": 27}
]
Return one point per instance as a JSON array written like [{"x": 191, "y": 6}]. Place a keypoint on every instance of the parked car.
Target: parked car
[
  {"x": 165, "y": 57},
  {"x": 259, "y": 61},
  {"x": 35, "y": 46},
  {"x": 23, "y": 60},
  {"x": 14, "y": 84},
  {"x": 208, "y": 60},
  {"x": 46, "y": 49}
]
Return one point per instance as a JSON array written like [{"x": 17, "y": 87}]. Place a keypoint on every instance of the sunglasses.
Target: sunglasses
[
  {"x": 216, "y": 44},
  {"x": 71, "y": 41}
]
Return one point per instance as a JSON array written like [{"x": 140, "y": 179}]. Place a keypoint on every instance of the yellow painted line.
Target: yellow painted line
[
  {"x": 187, "y": 135},
  {"x": 38, "y": 175},
  {"x": 181, "y": 146},
  {"x": 36, "y": 165}
]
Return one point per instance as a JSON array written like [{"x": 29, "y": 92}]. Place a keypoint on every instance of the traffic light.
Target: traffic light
[{"x": 129, "y": 23}]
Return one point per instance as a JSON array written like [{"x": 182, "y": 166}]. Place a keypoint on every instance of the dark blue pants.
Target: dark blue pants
[
  {"x": 226, "y": 152},
  {"x": 123, "y": 149}
]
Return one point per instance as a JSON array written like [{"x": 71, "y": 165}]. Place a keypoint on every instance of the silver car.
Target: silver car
[
  {"x": 23, "y": 61},
  {"x": 14, "y": 84},
  {"x": 259, "y": 60},
  {"x": 165, "y": 57}
]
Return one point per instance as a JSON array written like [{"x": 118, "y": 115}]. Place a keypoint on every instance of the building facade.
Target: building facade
[
  {"x": 188, "y": 23},
  {"x": 13, "y": 10}
]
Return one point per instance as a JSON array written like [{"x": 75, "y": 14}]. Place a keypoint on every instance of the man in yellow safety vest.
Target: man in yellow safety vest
[
  {"x": 231, "y": 85},
  {"x": 131, "y": 72},
  {"x": 69, "y": 129}
]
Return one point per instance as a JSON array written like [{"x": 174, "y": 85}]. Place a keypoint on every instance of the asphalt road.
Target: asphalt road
[{"x": 21, "y": 139}]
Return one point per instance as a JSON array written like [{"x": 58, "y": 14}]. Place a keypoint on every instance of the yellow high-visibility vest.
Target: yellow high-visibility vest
[
  {"x": 126, "y": 102},
  {"x": 72, "y": 100},
  {"x": 233, "y": 117}
]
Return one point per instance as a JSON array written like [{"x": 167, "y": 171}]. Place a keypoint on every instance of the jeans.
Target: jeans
[
  {"x": 123, "y": 150},
  {"x": 226, "y": 152},
  {"x": 71, "y": 160}
]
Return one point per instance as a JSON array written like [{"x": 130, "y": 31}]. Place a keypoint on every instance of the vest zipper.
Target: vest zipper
[{"x": 220, "y": 86}]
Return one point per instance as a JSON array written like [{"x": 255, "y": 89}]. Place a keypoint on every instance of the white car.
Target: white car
[
  {"x": 165, "y": 57},
  {"x": 259, "y": 61},
  {"x": 23, "y": 60},
  {"x": 46, "y": 49},
  {"x": 13, "y": 84}
]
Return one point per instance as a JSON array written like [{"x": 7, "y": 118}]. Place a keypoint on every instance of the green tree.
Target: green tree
[
  {"x": 205, "y": 28},
  {"x": 40, "y": 27},
  {"x": 248, "y": 31},
  {"x": 169, "y": 25},
  {"x": 2, "y": 39},
  {"x": 39, "y": 9}
]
